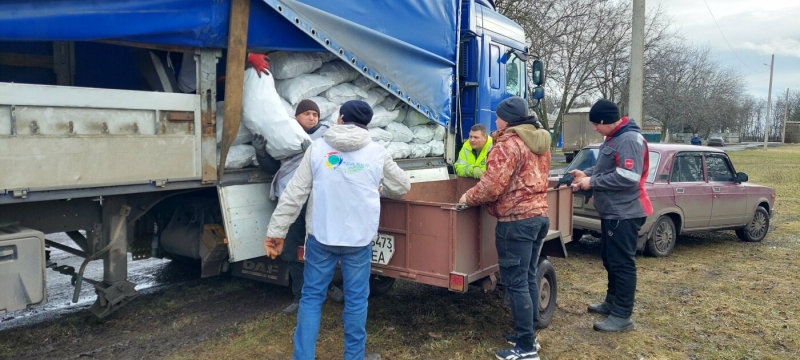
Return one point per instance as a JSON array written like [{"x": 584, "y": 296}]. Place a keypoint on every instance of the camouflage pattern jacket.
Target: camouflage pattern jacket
[{"x": 514, "y": 186}]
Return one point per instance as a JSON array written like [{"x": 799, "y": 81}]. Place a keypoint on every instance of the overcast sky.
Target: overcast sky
[{"x": 755, "y": 29}]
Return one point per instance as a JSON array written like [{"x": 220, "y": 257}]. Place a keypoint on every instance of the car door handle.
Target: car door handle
[{"x": 716, "y": 189}]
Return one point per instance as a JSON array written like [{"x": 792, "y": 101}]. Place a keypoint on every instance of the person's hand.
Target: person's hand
[
  {"x": 260, "y": 144},
  {"x": 274, "y": 247},
  {"x": 463, "y": 199},
  {"x": 585, "y": 183},
  {"x": 579, "y": 175},
  {"x": 477, "y": 173},
  {"x": 260, "y": 62}
]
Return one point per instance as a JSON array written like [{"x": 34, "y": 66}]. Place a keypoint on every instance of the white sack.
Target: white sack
[
  {"x": 437, "y": 148},
  {"x": 375, "y": 96},
  {"x": 244, "y": 136},
  {"x": 414, "y": 118},
  {"x": 303, "y": 87},
  {"x": 400, "y": 133},
  {"x": 289, "y": 108},
  {"x": 381, "y": 117},
  {"x": 239, "y": 156},
  {"x": 286, "y": 65},
  {"x": 364, "y": 83},
  {"x": 378, "y": 135},
  {"x": 402, "y": 110},
  {"x": 398, "y": 150},
  {"x": 438, "y": 131},
  {"x": 422, "y": 134},
  {"x": 345, "y": 92},
  {"x": 263, "y": 113},
  {"x": 419, "y": 150},
  {"x": 333, "y": 117},
  {"x": 326, "y": 108},
  {"x": 391, "y": 102},
  {"x": 326, "y": 56},
  {"x": 338, "y": 71}
]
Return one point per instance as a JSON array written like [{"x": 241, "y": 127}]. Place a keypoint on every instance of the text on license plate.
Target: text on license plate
[{"x": 382, "y": 249}]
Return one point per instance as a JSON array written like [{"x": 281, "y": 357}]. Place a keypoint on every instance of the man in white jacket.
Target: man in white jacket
[{"x": 345, "y": 174}]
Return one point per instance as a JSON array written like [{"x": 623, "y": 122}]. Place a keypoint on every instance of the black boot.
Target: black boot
[
  {"x": 614, "y": 324},
  {"x": 603, "y": 308}
]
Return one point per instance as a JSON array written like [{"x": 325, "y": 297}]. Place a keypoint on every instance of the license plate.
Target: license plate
[{"x": 382, "y": 249}]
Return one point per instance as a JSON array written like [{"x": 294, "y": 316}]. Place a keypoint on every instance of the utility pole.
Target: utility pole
[
  {"x": 635, "y": 99},
  {"x": 785, "y": 118},
  {"x": 769, "y": 103}
]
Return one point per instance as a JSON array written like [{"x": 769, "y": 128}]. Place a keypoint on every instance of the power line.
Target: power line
[{"x": 726, "y": 39}]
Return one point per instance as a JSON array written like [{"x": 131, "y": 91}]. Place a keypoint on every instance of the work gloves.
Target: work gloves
[
  {"x": 260, "y": 62},
  {"x": 477, "y": 172},
  {"x": 274, "y": 247},
  {"x": 260, "y": 143}
]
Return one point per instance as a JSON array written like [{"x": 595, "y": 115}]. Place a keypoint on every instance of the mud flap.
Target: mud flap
[
  {"x": 263, "y": 269},
  {"x": 246, "y": 210}
]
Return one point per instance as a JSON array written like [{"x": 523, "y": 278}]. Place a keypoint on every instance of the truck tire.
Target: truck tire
[
  {"x": 548, "y": 291},
  {"x": 380, "y": 285},
  {"x": 757, "y": 228},
  {"x": 662, "y": 237},
  {"x": 569, "y": 156}
]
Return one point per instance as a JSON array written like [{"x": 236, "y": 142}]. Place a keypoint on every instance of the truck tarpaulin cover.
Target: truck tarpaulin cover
[{"x": 408, "y": 43}]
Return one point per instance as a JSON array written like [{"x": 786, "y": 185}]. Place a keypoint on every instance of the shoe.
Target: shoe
[
  {"x": 614, "y": 324},
  {"x": 372, "y": 357},
  {"x": 292, "y": 308},
  {"x": 603, "y": 308},
  {"x": 335, "y": 294},
  {"x": 517, "y": 354},
  {"x": 512, "y": 339}
]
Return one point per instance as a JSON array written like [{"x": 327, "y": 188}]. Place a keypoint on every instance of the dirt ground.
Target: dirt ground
[{"x": 157, "y": 324}]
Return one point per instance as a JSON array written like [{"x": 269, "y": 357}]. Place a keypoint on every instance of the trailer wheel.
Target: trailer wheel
[
  {"x": 380, "y": 285},
  {"x": 548, "y": 291}
]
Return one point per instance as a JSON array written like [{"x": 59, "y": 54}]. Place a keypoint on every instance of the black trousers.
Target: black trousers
[
  {"x": 618, "y": 251},
  {"x": 295, "y": 238}
]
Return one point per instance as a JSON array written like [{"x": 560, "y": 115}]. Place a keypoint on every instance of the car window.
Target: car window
[
  {"x": 651, "y": 172},
  {"x": 585, "y": 159},
  {"x": 688, "y": 167},
  {"x": 718, "y": 168}
]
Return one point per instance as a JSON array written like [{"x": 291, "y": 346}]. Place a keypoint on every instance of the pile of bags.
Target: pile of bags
[{"x": 269, "y": 103}]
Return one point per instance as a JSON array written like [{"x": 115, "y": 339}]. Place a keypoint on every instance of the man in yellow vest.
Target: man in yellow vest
[{"x": 472, "y": 157}]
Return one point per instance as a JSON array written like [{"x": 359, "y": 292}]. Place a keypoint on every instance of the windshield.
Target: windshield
[
  {"x": 515, "y": 76},
  {"x": 587, "y": 158}
]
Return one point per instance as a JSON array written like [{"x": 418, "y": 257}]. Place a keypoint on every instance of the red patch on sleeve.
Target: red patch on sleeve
[{"x": 629, "y": 164}]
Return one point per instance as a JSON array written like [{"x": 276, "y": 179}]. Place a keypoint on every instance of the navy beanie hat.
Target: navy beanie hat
[
  {"x": 512, "y": 109},
  {"x": 604, "y": 112},
  {"x": 356, "y": 112}
]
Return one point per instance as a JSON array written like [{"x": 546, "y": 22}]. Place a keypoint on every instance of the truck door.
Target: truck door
[{"x": 491, "y": 90}]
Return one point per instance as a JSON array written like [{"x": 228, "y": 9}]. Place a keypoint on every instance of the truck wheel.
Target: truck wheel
[
  {"x": 548, "y": 291},
  {"x": 662, "y": 238},
  {"x": 757, "y": 229},
  {"x": 569, "y": 156},
  {"x": 380, "y": 285}
]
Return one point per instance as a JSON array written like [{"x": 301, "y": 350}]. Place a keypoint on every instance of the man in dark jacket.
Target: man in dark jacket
[
  {"x": 618, "y": 182},
  {"x": 307, "y": 115}
]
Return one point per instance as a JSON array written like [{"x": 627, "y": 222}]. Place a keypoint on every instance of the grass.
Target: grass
[{"x": 713, "y": 298}]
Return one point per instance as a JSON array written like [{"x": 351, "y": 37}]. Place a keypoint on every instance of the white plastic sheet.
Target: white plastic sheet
[
  {"x": 303, "y": 87},
  {"x": 345, "y": 92},
  {"x": 381, "y": 117},
  {"x": 400, "y": 133},
  {"x": 244, "y": 135},
  {"x": 263, "y": 113},
  {"x": 286, "y": 65}
]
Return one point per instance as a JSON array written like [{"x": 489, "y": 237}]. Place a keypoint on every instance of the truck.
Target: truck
[
  {"x": 577, "y": 132},
  {"x": 123, "y": 165}
]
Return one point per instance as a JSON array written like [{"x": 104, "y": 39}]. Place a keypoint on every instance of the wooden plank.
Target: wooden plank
[
  {"x": 26, "y": 60},
  {"x": 234, "y": 77}
]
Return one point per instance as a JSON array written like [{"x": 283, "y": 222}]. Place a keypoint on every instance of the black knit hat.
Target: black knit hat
[
  {"x": 306, "y": 105},
  {"x": 512, "y": 109},
  {"x": 356, "y": 112},
  {"x": 604, "y": 112}
]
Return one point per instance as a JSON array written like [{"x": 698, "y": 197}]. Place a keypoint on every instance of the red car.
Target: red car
[{"x": 692, "y": 188}]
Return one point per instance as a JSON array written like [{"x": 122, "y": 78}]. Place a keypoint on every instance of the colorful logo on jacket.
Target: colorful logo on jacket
[{"x": 333, "y": 159}]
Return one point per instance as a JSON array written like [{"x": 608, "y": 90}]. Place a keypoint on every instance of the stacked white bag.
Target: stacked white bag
[{"x": 330, "y": 82}]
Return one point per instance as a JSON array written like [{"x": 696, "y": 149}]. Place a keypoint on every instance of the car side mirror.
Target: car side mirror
[{"x": 741, "y": 177}]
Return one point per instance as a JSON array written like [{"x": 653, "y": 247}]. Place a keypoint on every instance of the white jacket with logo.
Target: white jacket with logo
[{"x": 343, "y": 176}]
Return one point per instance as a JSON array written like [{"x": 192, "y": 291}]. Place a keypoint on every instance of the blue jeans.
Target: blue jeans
[
  {"x": 320, "y": 266},
  {"x": 518, "y": 245}
]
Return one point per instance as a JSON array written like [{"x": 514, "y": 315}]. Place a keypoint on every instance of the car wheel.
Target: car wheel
[
  {"x": 548, "y": 291},
  {"x": 380, "y": 285},
  {"x": 662, "y": 238},
  {"x": 756, "y": 230}
]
